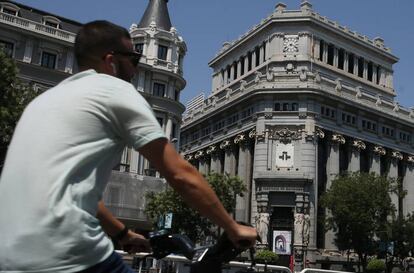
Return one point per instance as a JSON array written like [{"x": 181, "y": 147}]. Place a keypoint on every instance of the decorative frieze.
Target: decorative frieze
[
  {"x": 358, "y": 145},
  {"x": 285, "y": 135},
  {"x": 379, "y": 150},
  {"x": 338, "y": 139},
  {"x": 240, "y": 139},
  {"x": 319, "y": 133}
]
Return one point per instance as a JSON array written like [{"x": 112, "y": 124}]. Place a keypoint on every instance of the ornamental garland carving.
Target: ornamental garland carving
[
  {"x": 410, "y": 159},
  {"x": 319, "y": 133},
  {"x": 252, "y": 133},
  {"x": 285, "y": 135},
  {"x": 226, "y": 144},
  {"x": 396, "y": 155},
  {"x": 211, "y": 149},
  {"x": 240, "y": 139},
  {"x": 338, "y": 139},
  {"x": 199, "y": 154},
  {"x": 379, "y": 150},
  {"x": 189, "y": 157},
  {"x": 359, "y": 145}
]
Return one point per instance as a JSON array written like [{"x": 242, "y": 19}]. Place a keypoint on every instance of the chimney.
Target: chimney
[
  {"x": 305, "y": 6},
  {"x": 280, "y": 7}
]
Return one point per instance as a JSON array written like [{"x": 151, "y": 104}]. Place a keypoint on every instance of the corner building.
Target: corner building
[{"x": 295, "y": 101}]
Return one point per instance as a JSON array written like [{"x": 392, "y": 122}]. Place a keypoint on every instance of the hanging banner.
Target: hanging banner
[{"x": 282, "y": 241}]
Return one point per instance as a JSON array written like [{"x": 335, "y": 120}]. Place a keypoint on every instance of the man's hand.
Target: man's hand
[
  {"x": 243, "y": 237},
  {"x": 133, "y": 243}
]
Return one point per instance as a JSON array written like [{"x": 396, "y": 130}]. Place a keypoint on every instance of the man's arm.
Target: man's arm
[
  {"x": 191, "y": 185},
  {"x": 113, "y": 227}
]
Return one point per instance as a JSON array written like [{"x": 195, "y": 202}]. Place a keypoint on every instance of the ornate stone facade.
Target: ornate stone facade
[{"x": 312, "y": 110}]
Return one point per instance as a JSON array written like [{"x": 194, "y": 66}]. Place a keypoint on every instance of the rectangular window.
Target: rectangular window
[
  {"x": 257, "y": 56},
  {"x": 249, "y": 59},
  {"x": 351, "y": 63},
  {"x": 341, "y": 58},
  {"x": 295, "y": 107},
  {"x": 331, "y": 52},
  {"x": 264, "y": 52},
  {"x": 285, "y": 106},
  {"x": 7, "y": 48},
  {"x": 139, "y": 47},
  {"x": 174, "y": 131},
  {"x": 361, "y": 67},
  {"x": 48, "y": 60},
  {"x": 242, "y": 66},
  {"x": 277, "y": 106},
  {"x": 10, "y": 11},
  {"x": 158, "y": 89},
  {"x": 321, "y": 48},
  {"x": 235, "y": 71},
  {"x": 370, "y": 71},
  {"x": 162, "y": 52},
  {"x": 176, "y": 95},
  {"x": 51, "y": 24},
  {"x": 378, "y": 74}
]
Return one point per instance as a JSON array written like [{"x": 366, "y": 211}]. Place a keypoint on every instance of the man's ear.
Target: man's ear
[{"x": 109, "y": 65}]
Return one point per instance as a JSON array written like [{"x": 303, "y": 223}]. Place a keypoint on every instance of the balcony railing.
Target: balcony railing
[{"x": 37, "y": 27}]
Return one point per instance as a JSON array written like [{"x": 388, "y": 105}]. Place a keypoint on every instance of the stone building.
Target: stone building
[
  {"x": 41, "y": 43},
  {"x": 160, "y": 80},
  {"x": 295, "y": 101}
]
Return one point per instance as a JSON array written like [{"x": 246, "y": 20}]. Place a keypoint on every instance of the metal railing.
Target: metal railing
[{"x": 37, "y": 27}]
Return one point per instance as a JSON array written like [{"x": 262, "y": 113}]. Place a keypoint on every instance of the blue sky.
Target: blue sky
[{"x": 205, "y": 25}]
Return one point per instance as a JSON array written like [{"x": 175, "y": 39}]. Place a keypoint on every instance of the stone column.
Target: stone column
[
  {"x": 213, "y": 152},
  {"x": 168, "y": 128},
  {"x": 28, "y": 52},
  {"x": 355, "y": 160},
  {"x": 226, "y": 79},
  {"x": 376, "y": 154},
  {"x": 393, "y": 173},
  {"x": 408, "y": 186},
  {"x": 69, "y": 62},
  {"x": 253, "y": 59},
  {"x": 365, "y": 69},
  {"x": 355, "y": 65},
  {"x": 325, "y": 53},
  {"x": 336, "y": 57},
  {"x": 244, "y": 172},
  {"x": 332, "y": 170},
  {"x": 261, "y": 57},
  {"x": 229, "y": 157},
  {"x": 239, "y": 67},
  {"x": 374, "y": 73},
  {"x": 246, "y": 64},
  {"x": 200, "y": 156},
  {"x": 232, "y": 72},
  {"x": 346, "y": 61}
]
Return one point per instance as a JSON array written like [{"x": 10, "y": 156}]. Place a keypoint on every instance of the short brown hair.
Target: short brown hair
[{"x": 97, "y": 38}]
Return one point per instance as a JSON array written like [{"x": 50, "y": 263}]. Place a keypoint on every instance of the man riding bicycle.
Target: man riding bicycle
[{"x": 52, "y": 218}]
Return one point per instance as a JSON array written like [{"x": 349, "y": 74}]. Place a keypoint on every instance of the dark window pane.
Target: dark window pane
[
  {"x": 158, "y": 89},
  {"x": 48, "y": 60},
  {"x": 51, "y": 24},
  {"x": 139, "y": 47},
  {"x": 162, "y": 52},
  {"x": 7, "y": 48}
]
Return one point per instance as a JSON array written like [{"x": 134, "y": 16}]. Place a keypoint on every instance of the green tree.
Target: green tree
[
  {"x": 185, "y": 219},
  {"x": 14, "y": 96},
  {"x": 359, "y": 205}
]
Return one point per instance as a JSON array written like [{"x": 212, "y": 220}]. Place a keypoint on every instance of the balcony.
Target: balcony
[{"x": 39, "y": 28}]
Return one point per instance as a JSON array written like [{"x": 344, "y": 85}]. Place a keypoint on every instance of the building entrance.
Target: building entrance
[{"x": 281, "y": 233}]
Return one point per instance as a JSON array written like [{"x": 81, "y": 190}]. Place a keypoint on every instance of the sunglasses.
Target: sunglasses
[{"x": 133, "y": 56}]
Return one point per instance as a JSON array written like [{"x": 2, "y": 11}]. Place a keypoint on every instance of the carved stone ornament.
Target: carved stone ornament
[
  {"x": 258, "y": 76},
  {"x": 226, "y": 144},
  {"x": 319, "y": 133},
  {"x": 252, "y": 133},
  {"x": 285, "y": 135},
  {"x": 358, "y": 92},
  {"x": 243, "y": 84},
  {"x": 379, "y": 150},
  {"x": 189, "y": 157},
  {"x": 303, "y": 75},
  {"x": 337, "y": 138},
  {"x": 199, "y": 154},
  {"x": 239, "y": 139},
  {"x": 318, "y": 78},
  {"x": 211, "y": 149},
  {"x": 379, "y": 101},
  {"x": 396, "y": 107},
  {"x": 268, "y": 115},
  {"x": 291, "y": 44},
  {"x": 396, "y": 155},
  {"x": 359, "y": 145},
  {"x": 270, "y": 76},
  {"x": 338, "y": 85},
  {"x": 410, "y": 159},
  {"x": 153, "y": 26}
]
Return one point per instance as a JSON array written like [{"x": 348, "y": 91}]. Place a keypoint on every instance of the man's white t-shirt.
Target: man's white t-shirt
[{"x": 59, "y": 161}]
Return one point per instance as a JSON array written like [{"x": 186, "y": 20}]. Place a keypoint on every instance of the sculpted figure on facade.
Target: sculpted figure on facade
[
  {"x": 306, "y": 229},
  {"x": 410, "y": 159},
  {"x": 299, "y": 219},
  {"x": 262, "y": 226},
  {"x": 379, "y": 150},
  {"x": 338, "y": 139},
  {"x": 359, "y": 145},
  {"x": 396, "y": 155}
]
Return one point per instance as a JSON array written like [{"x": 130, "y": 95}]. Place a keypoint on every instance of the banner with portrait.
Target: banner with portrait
[{"x": 282, "y": 242}]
